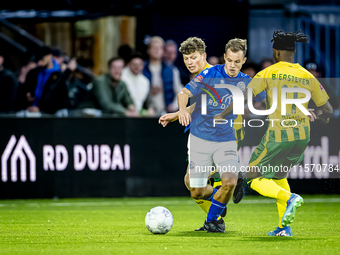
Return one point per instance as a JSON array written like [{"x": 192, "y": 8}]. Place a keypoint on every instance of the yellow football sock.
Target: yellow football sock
[
  {"x": 278, "y": 189},
  {"x": 205, "y": 205},
  {"x": 269, "y": 188},
  {"x": 219, "y": 183},
  {"x": 281, "y": 204}
]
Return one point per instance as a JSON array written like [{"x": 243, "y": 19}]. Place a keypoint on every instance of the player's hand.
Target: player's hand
[
  {"x": 184, "y": 117},
  {"x": 166, "y": 118},
  {"x": 311, "y": 117},
  {"x": 218, "y": 118},
  {"x": 323, "y": 119}
]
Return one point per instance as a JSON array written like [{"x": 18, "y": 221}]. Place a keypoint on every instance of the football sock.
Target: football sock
[
  {"x": 217, "y": 182},
  {"x": 206, "y": 203},
  {"x": 278, "y": 189},
  {"x": 281, "y": 205},
  {"x": 269, "y": 188},
  {"x": 215, "y": 210}
]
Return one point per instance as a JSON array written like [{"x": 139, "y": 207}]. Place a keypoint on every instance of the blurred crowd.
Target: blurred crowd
[{"x": 135, "y": 84}]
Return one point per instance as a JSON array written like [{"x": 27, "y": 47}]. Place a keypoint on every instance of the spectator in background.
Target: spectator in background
[
  {"x": 180, "y": 76},
  {"x": 265, "y": 62},
  {"x": 57, "y": 56},
  {"x": 249, "y": 68},
  {"x": 162, "y": 93},
  {"x": 138, "y": 85},
  {"x": 313, "y": 68},
  {"x": 30, "y": 64},
  {"x": 112, "y": 93},
  {"x": 80, "y": 87},
  {"x": 45, "y": 87},
  {"x": 213, "y": 60},
  {"x": 8, "y": 87}
]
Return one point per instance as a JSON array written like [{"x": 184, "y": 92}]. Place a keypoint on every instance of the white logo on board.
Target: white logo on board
[{"x": 21, "y": 152}]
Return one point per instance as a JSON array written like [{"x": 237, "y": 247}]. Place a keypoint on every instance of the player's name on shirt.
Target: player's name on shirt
[{"x": 290, "y": 78}]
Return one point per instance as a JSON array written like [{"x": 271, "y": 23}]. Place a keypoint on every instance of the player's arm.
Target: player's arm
[
  {"x": 171, "y": 117},
  {"x": 327, "y": 112},
  {"x": 183, "y": 115}
]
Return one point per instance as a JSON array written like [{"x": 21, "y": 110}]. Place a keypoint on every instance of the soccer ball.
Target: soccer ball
[{"x": 159, "y": 220}]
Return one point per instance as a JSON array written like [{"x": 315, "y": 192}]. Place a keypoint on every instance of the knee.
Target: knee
[
  {"x": 229, "y": 184},
  {"x": 197, "y": 193}
]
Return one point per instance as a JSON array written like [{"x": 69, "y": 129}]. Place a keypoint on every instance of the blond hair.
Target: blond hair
[
  {"x": 235, "y": 45},
  {"x": 192, "y": 45}
]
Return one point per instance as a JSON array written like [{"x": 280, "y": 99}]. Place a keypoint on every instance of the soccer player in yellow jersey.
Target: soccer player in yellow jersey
[{"x": 287, "y": 135}]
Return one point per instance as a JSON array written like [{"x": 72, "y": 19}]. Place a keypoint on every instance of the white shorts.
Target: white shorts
[{"x": 202, "y": 156}]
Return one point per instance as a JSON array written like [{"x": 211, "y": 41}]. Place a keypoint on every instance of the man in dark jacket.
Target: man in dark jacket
[
  {"x": 8, "y": 87},
  {"x": 112, "y": 93},
  {"x": 45, "y": 87}
]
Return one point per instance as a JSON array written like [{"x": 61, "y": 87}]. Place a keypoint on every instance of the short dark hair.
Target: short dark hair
[
  {"x": 191, "y": 45},
  {"x": 235, "y": 45},
  {"x": 286, "y": 41},
  {"x": 136, "y": 55},
  {"x": 56, "y": 52},
  {"x": 111, "y": 60}
]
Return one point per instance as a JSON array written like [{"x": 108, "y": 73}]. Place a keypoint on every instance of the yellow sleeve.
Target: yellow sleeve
[
  {"x": 318, "y": 93},
  {"x": 258, "y": 83}
]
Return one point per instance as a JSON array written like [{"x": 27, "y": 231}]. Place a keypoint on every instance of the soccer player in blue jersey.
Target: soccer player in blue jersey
[{"x": 211, "y": 144}]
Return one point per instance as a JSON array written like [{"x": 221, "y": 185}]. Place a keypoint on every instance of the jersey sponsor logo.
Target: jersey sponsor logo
[
  {"x": 198, "y": 78},
  {"x": 205, "y": 71},
  {"x": 321, "y": 87}
]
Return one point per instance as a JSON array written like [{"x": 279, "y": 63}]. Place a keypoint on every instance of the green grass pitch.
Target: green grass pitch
[{"x": 116, "y": 226}]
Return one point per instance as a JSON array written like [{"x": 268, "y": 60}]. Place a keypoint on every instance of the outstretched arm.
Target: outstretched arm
[{"x": 170, "y": 117}]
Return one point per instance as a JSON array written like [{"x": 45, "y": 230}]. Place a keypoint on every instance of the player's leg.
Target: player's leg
[
  {"x": 281, "y": 204},
  {"x": 294, "y": 157},
  {"x": 226, "y": 159},
  {"x": 221, "y": 198},
  {"x": 204, "y": 204},
  {"x": 242, "y": 176},
  {"x": 268, "y": 156}
]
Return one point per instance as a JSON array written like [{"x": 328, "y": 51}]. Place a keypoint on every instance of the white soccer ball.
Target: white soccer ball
[{"x": 159, "y": 220}]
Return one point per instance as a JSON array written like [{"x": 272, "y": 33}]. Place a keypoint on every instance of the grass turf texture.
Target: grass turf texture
[{"x": 116, "y": 226}]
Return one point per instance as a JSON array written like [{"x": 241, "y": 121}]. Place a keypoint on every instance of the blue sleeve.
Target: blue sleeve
[
  {"x": 194, "y": 85},
  {"x": 260, "y": 97}
]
